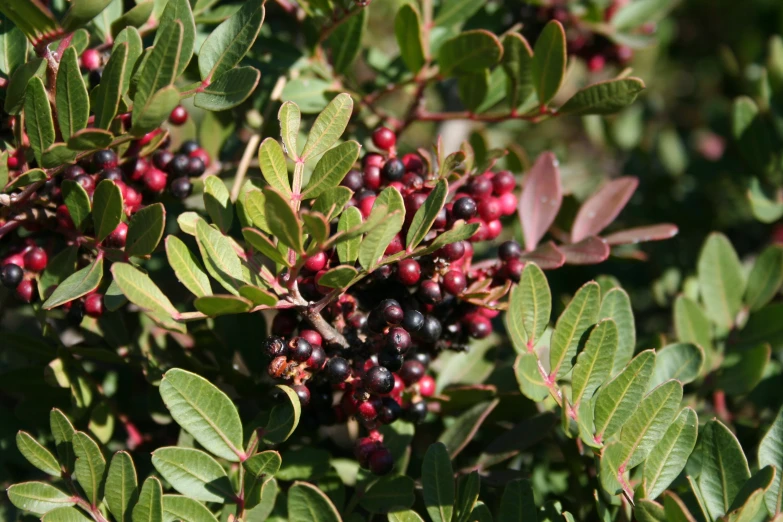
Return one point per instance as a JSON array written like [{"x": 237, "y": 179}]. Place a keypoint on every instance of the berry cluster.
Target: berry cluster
[{"x": 19, "y": 269}]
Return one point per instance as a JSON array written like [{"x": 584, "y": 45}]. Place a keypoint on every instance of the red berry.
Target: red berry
[
  {"x": 202, "y": 155},
  {"x": 452, "y": 251},
  {"x": 478, "y": 326},
  {"x": 363, "y": 449},
  {"x": 481, "y": 233},
  {"x": 384, "y": 138},
  {"x": 429, "y": 292},
  {"x": 118, "y": 236},
  {"x": 513, "y": 269},
  {"x": 35, "y": 259},
  {"x": 368, "y": 410},
  {"x": 155, "y": 180},
  {"x": 489, "y": 209},
  {"x": 373, "y": 159},
  {"x": 596, "y": 63},
  {"x": 480, "y": 187},
  {"x": 395, "y": 246},
  {"x": 178, "y": 116},
  {"x": 12, "y": 162},
  {"x": 284, "y": 323},
  {"x": 503, "y": 182},
  {"x": 25, "y": 291},
  {"x": 132, "y": 199},
  {"x": 371, "y": 177},
  {"x": 87, "y": 183},
  {"x": 316, "y": 262},
  {"x": 91, "y": 59},
  {"x": 494, "y": 228},
  {"x": 137, "y": 168},
  {"x": 454, "y": 282},
  {"x": 365, "y": 206},
  {"x": 64, "y": 219},
  {"x": 381, "y": 461},
  {"x": 408, "y": 272},
  {"x": 14, "y": 259},
  {"x": 93, "y": 305},
  {"x": 413, "y": 163},
  {"x": 427, "y": 386},
  {"x": 312, "y": 337},
  {"x": 508, "y": 204}
]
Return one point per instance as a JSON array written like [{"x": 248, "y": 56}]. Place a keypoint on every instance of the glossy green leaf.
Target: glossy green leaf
[
  {"x": 140, "y": 290},
  {"x": 618, "y": 399},
  {"x": 106, "y": 208},
  {"x": 159, "y": 69},
  {"x": 470, "y": 51},
  {"x": 517, "y": 502},
  {"x": 286, "y": 226},
  {"x": 332, "y": 168},
  {"x": 82, "y": 11},
  {"x": 38, "y": 117},
  {"x": 90, "y": 466},
  {"x": 328, "y": 126},
  {"x": 579, "y": 315},
  {"x": 691, "y": 323},
  {"x": 290, "y": 118},
  {"x": 616, "y": 305},
  {"x": 530, "y": 306},
  {"x": 260, "y": 469},
  {"x": 681, "y": 361},
  {"x": 193, "y": 473},
  {"x": 187, "y": 267},
  {"x": 203, "y": 411},
  {"x": 38, "y": 497},
  {"x": 57, "y": 155},
  {"x": 264, "y": 245},
  {"x": 467, "y": 496},
  {"x": 131, "y": 37},
  {"x": 426, "y": 215},
  {"x": 437, "y": 479},
  {"x": 315, "y": 226},
  {"x": 178, "y": 12},
  {"x": 63, "y": 432},
  {"x": 337, "y": 277},
  {"x": 724, "y": 468},
  {"x": 459, "y": 232},
  {"x": 36, "y": 454},
  {"x": 389, "y": 493},
  {"x": 220, "y": 258},
  {"x": 121, "y": 486},
  {"x": 407, "y": 29},
  {"x": 72, "y": 101},
  {"x": 404, "y": 516},
  {"x": 231, "y": 40},
  {"x": 77, "y": 285},
  {"x": 765, "y": 279},
  {"x": 77, "y": 201},
  {"x": 90, "y": 139},
  {"x": 65, "y": 514},
  {"x": 531, "y": 383},
  {"x": 13, "y": 47},
  {"x": 607, "y": 97},
  {"x": 145, "y": 230},
  {"x": 229, "y": 89},
  {"x": 348, "y": 251},
  {"x": 149, "y": 508},
  {"x": 669, "y": 456},
  {"x": 17, "y": 86},
  {"x": 28, "y": 178},
  {"x": 308, "y": 504},
  {"x": 284, "y": 417},
  {"x": 721, "y": 281},
  {"x": 114, "y": 80},
  {"x": 184, "y": 509},
  {"x": 594, "y": 364},
  {"x": 770, "y": 453},
  {"x": 136, "y": 16},
  {"x": 273, "y": 166},
  {"x": 155, "y": 111},
  {"x": 58, "y": 269},
  {"x": 215, "y": 305},
  {"x": 217, "y": 201},
  {"x": 257, "y": 296},
  {"x": 377, "y": 240},
  {"x": 517, "y": 63},
  {"x": 549, "y": 61},
  {"x": 346, "y": 41}
]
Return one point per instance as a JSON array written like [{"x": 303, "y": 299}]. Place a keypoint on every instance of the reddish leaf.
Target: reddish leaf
[
  {"x": 602, "y": 207},
  {"x": 587, "y": 252},
  {"x": 548, "y": 256},
  {"x": 642, "y": 234},
  {"x": 541, "y": 199}
]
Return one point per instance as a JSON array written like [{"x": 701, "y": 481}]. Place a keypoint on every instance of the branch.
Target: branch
[{"x": 244, "y": 163}]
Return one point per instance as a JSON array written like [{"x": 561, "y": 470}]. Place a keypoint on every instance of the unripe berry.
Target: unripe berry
[
  {"x": 202, "y": 155},
  {"x": 489, "y": 209},
  {"x": 87, "y": 183},
  {"x": 312, "y": 337},
  {"x": 372, "y": 159},
  {"x": 117, "y": 237},
  {"x": 90, "y": 59},
  {"x": 513, "y": 269},
  {"x": 408, "y": 272},
  {"x": 315, "y": 262},
  {"x": 25, "y": 291},
  {"x": 155, "y": 180},
  {"x": 371, "y": 177},
  {"x": 36, "y": 259},
  {"x": 503, "y": 182},
  {"x": 368, "y": 410},
  {"x": 178, "y": 116},
  {"x": 413, "y": 163},
  {"x": 132, "y": 199},
  {"x": 596, "y": 63},
  {"x": 363, "y": 449},
  {"x": 494, "y": 228},
  {"x": 93, "y": 305},
  {"x": 454, "y": 282},
  {"x": 427, "y": 386},
  {"x": 395, "y": 246},
  {"x": 365, "y": 206},
  {"x": 508, "y": 204},
  {"x": 384, "y": 138}
]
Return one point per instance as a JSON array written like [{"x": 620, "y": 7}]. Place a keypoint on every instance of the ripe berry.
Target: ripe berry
[
  {"x": 454, "y": 282},
  {"x": 162, "y": 158},
  {"x": 188, "y": 146},
  {"x": 316, "y": 262},
  {"x": 479, "y": 326},
  {"x": 312, "y": 337},
  {"x": 413, "y": 163},
  {"x": 36, "y": 259},
  {"x": 72, "y": 172},
  {"x": 453, "y": 251},
  {"x": 353, "y": 180},
  {"x": 284, "y": 323},
  {"x": 87, "y": 183},
  {"x": 303, "y": 393},
  {"x": 337, "y": 370},
  {"x": 181, "y": 188},
  {"x": 398, "y": 340},
  {"x": 317, "y": 359},
  {"x": 480, "y": 187},
  {"x": 503, "y": 182},
  {"x": 363, "y": 449},
  {"x": 390, "y": 360},
  {"x": 508, "y": 204},
  {"x": 393, "y": 170},
  {"x": 427, "y": 386},
  {"x": 489, "y": 209},
  {"x": 413, "y": 320},
  {"x": 155, "y": 180},
  {"x": 513, "y": 269},
  {"x": 391, "y": 311},
  {"x": 390, "y": 410},
  {"x": 299, "y": 349},
  {"x": 379, "y": 380},
  {"x": 417, "y": 412},
  {"x": 412, "y": 371},
  {"x": 104, "y": 159},
  {"x": 408, "y": 272},
  {"x": 178, "y": 116},
  {"x": 93, "y": 305},
  {"x": 114, "y": 174},
  {"x": 179, "y": 165},
  {"x": 274, "y": 346},
  {"x": 25, "y": 291},
  {"x": 90, "y": 59},
  {"x": 202, "y": 155},
  {"x": 429, "y": 292},
  {"x": 11, "y": 275},
  {"x": 509, "y": 250},
  {"x": 384, "y": 138},
  {"x": 381, "y": 461},
  {"x": 464, "y": 208},
  {"x": 431, "y": 330},
  {"x": 117, "y": 237},
  {"x": 196, "y": 167},
  {"x": 135, "y": 169},
  {"x": 371, "y": 177}
]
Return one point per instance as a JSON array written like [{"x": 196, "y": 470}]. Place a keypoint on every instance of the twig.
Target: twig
[{"x": 244, "y": 163}]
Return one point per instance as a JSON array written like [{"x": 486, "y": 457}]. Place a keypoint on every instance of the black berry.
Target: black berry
[
  {"x": 509, "y": 250},
  {"x": 181, "y": 188},
  {"x": 337, "y": 370},
  {"x": 11, "y": 275},
  {"x": 464, "y": 208},
  {"x": 393, "y": 170},
  {"x": 299, "y": 349},
  {"x": 274, "y": 347},
  {"x": 379, "y": 380},
  {"x": 188, "y": 146}
]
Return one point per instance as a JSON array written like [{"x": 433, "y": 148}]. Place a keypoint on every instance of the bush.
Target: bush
[{"x": 341, "y": 260}]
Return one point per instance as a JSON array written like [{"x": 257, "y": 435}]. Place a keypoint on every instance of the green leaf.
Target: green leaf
[
  {"x": 691, "y": 324},
  {"x": 579, "y": 315},
  {"x": 264, "y": 245},
  {"x": 459, "y": 232},
  {"x": 389, "y": 493},
  {"x": 453, "y": 12},
  {"x": 215, "y": 305},
  {"x": 38, "y": 118},
  {"x": 160, "y": 67},
  {"x": 616, "y": 305},
  {"x": 258, "y": 296},
  {"x": 467, "y": 496},
  {"x": 220, "y": 258},
  {"x": 377, "y": 240},
  {"x": 106, "y": 209},
  {"x": 114, "y": 80},
  {"x": 531, "y": 382},
  {"x": 266, "y": 504},
  {"x": 81, "y": 12},
  {"x": 465, "y": 427},
  {"x": 28, "y": 178},
  {"x": 331, "y": 169},
  {"x": 56, "y": 155},
  {"x": 426, "y": 215},
  {"x": 328, "y": 126},
  {"x": 284, "y": 417},
  {"x": 289, "y": 117},
  {"x": 316, "y": 226},
  {"x": 140, "y": 290},
  {"x": 251, "y": 203},
  {"x": 231, "y": 40},
  {"x": 72, "y": 100},
  {"x": 681, "y": 361},
  {"x": 65, "y": 514},
  {"x": 121, "y": 486},
  {"x": 437, "y": 479},
  {"x": 765, "y": 278},
  {"x": 407, "y": 29},
  {"x": 58, "y": 269},
  {"x": 308, "y": 504},
  {"x": 675, "y": 510},
  {"x": 617, "y": 400},
  {"x": 260, "y": 468},
  {"x": 338, "y": 277},
  {"x": 63, "y": 432},
  {"x": 155, "y": 111},
  {"x": 518, "y": 65},
  {"x": 549, "y": 61},
  {"x": 149, "y": 508},
  {"x": 348, "y": 251},
  {"x": 517, "y": 502},
  {"x": 669, "y": 456},
  {"x": 90, "y": 466},
  {"x": 178, "y": 12},
  {"x": 17, "y": 86},
  {"x": 648, "y": 424},
  {"x": 217, "y": 201},
  {"x": 530, "y": 306},
  {"x": 90, "y": 139},
  {"x": 308, "y": 93},
  {"x": 136, "y": 16},
  {"x": 404, "y": 516},
  {"x": 145, "y": 230},
  {"x": 743, "y": 370},
  {"x": 469, "y": 52},
  {"x": 770, "y": 453},
  {"x": 724, "y": 468},
  {"x": 38, "y": 497},
  {"x": 594, "y": 364},
  {"x": 13, "y": 47},
  {"x": 131, "y": 37},
  {"x": 286, "y": 226},
  {"x": 187, "y": 267},
  {"x": 193, "y": 473},
  {"x": 203, "y": 411},
  {"x": 473, "y": 88},
  {"x": 636, "y": 13},
  {"x": 180, "y": 508},
  {"x": 229, "y": 89},
  {"x": 76, "y": 285},
  {"x": 721, "y": 280},
  {"x": 607, "y": 97},
  {"x": 36, "y": 454},
  {"x": 273, "y": 166},
  {"x": 346, "y": 41}
]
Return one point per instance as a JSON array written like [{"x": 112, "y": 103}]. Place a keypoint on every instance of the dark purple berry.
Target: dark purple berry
[
  {"x": 429, "y": 292},
  {"x": 274, "y": 346},
  {"x": 398, "y": 340},
  {"x": 179, "y": 165},
  {"x": 393, "y": 170},
  {"x": 390, "y": 360},
  {"x": 381, "y": 461},
  {"x": 412, "y": 371},
  {"x": 417, "y": 412},
  {"x": 181, "y": 188},
  {"x": 390, "y": 411},
  {"x": 354, "y": 180},
  {"x": 379, "y": 380},
  {"x": 337, "y": 370},
  {"x": 162, "y": 158},
  {"x": 299, "y": 349},
  {"x": 188, "y": 146},
  {"x": 104, "y": 159},
  {"x": 509, "y": 250},
  {"x": 464, "y": 208},
  {"x": 196, "y": 167},
  {"x": 431, "y": 330},
  {"x": 413, "y": 320},
  {"x": 303, "y": 393}
]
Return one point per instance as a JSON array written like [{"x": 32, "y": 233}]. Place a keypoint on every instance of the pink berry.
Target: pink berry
[
  {"x": 312, "y": 337},
  {"x": 489, "y": 209},
  {"x": 503, "y": 182},
  {"x": 596, "y": 63},
  {"x": 508, "y": 204},
  {"x": 178, "y": 116},
  {"x": 413, "y": 163},
  {"x": 395, "y": 246},
  {"x": 14, "y": 259},
  {"x": 202, "y": 155},
  {"x": 494, "y": 228},
  {"x": 427, "y": 386},
  {"x": 91, "y": 59},
  {"x": 384, "y": 138},
  {"x": 316, "y": 262}
]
